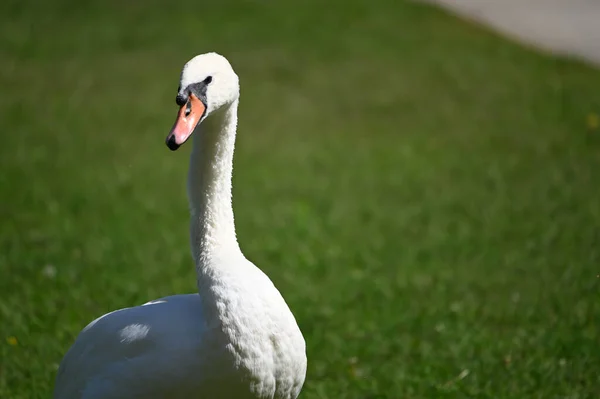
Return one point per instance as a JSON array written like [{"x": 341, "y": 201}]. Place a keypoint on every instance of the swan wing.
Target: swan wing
[{"x": 144, "y": 351}]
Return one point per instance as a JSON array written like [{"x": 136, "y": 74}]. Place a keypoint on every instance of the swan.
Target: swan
[{"x": 234, "y": 338}]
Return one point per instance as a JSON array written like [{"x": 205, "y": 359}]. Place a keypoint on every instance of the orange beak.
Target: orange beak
[{"x": 188, "y": 117}]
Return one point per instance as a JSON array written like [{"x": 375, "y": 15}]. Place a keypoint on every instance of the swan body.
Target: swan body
[{"x": 236, "y": 337}]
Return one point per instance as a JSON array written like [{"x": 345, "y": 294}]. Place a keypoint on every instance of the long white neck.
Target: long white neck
[{"x": 212, "y": 229}]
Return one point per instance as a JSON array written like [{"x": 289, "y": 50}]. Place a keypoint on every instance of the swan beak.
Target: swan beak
[{"x": 188, "y": 117}]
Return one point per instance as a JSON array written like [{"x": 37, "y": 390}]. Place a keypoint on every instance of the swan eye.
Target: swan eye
[{"x": 208, "y": 80}]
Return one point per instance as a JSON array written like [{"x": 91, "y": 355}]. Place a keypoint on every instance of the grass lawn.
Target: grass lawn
[{"x": 424, "y": 194}]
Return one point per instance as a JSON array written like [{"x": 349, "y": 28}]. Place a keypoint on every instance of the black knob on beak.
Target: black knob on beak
[{"x": 181, "y": 99}]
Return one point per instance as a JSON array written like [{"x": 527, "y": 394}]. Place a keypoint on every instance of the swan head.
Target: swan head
[{"x": 207, "y": 84}]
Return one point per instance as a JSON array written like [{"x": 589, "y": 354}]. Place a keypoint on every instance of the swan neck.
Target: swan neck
[{"x": 212, "y": 227}]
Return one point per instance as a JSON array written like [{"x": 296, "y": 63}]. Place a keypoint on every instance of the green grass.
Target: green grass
[{"x": 424, "y": 194}]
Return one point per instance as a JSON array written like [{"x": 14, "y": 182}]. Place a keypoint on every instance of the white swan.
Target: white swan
[{"x": 236, "y": 337}]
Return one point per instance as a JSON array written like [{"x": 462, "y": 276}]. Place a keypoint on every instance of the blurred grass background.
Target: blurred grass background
[{"x": 424, "y": 194}]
